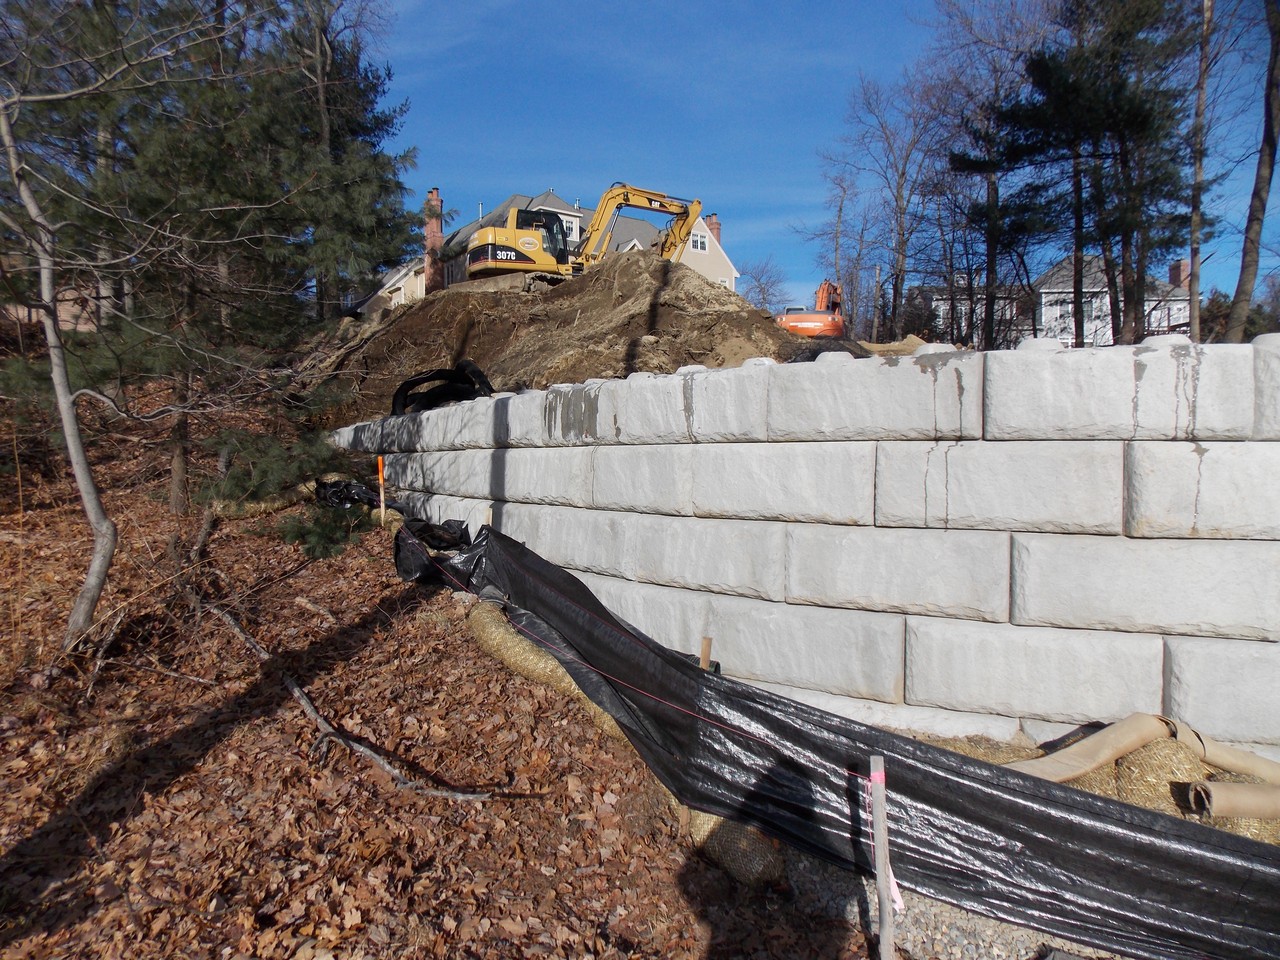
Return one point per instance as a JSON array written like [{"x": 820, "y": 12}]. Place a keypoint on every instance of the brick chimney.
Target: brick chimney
[
  {"x": 433, "y": 241},
  {"x": 713, "y": 224},
  {"x": 1180, "y": 273}
]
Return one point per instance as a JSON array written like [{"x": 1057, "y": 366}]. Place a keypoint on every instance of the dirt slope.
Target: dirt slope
[{"x": 633, "y": 312}]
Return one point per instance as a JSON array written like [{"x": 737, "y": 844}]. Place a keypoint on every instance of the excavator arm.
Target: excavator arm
[{"x": 595, "y": 240}]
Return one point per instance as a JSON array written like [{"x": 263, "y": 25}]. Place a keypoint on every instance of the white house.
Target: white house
[{"x": 1167, "y": 305}]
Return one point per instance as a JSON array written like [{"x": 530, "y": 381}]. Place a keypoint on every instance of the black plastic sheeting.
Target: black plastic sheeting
[{"x": 978, "y": 836}]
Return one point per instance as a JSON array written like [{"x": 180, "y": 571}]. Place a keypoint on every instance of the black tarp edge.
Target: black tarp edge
[{"x": 980, "y": 837}]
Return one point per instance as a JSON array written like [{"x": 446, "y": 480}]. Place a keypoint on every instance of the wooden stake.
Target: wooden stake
[
  {"x": 880, "y": 835},
  {"x": 382, "y": 494},
  {"x": 704, "y": 661}
]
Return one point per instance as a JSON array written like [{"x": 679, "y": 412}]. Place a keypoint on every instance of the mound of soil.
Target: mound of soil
[{"x": 633, "y": 312}]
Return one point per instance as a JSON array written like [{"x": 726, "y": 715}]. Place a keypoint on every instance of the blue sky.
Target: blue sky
[{"x": 729, "y": 103}]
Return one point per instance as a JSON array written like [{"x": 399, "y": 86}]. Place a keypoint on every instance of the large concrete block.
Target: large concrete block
[
  {"x": 1225, "y": 689},
  {"x": 900, "y": 717},
  {"x": 596, "y": 541},
  {"x": 674, "y": 618},
  {"x": 1158, "y": 391},
  {"x": 1266, "y": 386},
  {"x": 1063, "y": 487},
  {"x": 821, "y": 482},
  {"x": 730, "y": 405},
  {"x": 937, "y": 396},
  {"x": 456, "y": 473},
  {"x": 519, "y": 419},
  {"x": 648, "y": 479},
  {"x": 650, "y": 409},
  {"x": 438, "y": 509},
  {"x": 1220, "y": 588},
  {"x": 579, "y": 413},
  {"x": 949, "y": 573},
  {"x": 740, "y": 557},
  {"x": 1213, "y": 490},
  {"x": 1064, "y": 675},
  {"x": 554, "y": 475},
  {"x": 851, "y": 653}
]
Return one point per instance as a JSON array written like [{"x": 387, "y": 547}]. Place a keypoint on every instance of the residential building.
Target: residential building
[{"x": 1167, "y": 306}]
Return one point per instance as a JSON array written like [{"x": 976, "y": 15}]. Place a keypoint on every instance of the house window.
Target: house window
[
  {"x": 724, "y": 282},
  {"x": 698, "y": 241}
]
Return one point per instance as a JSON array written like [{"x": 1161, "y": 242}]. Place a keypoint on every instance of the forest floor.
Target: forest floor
[{"x": 162, "y": 794}]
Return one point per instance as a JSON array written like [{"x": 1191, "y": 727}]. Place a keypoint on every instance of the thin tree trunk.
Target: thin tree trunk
[
  {"x": 1077, "y": 247},
  {"x": 104, "y": 530},
  {"x": 1261, "y": 185},
  {"x": 1197, "y": 174},
  {"x": 989, "y": 280}
]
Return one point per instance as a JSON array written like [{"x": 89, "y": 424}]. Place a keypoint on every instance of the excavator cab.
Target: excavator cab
[{"x": 555, "y": 242}]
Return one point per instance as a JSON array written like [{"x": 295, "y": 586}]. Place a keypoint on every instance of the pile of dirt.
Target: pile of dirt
[{"x": 633, "y": 312}]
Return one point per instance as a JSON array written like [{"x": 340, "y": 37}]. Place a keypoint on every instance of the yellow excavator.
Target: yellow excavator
[{"x": 536, "y": 241}]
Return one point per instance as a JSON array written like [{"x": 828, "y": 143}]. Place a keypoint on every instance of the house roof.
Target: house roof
[{"x": 1059, "y": 278}]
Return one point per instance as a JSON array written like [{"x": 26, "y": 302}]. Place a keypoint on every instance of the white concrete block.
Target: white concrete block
[
  {"x": 902, "y": 718},
  {"x": 1158, "y": 392},
  {"x": 1221, "y": 588},
  {"x": 456, "y": 473},
  {"x": 740, "y": 557},
  {"x": 952, "y": 573},
  {"x": 730, "y": 405},
  {"x": 938, "y": 396},
  {"x": 1213, "y": 490},
  {"x": 519, "y": 420},
  {"x": 1188, "y": 392},
  {"x": 650, "y": 409},
  {"x": 849, "y": 653},
  {"x": 648, "y": 479},
  {"x": 821, "y": 482},
  {"x": 438, "y": 509},
  {"x": 1266, "y": 386},
  {"x": 1225, "y": 689},
  {"x": 1058, "y": 486},
  {"x": 572, "y": 414},
  {"x": 595, "y": 541},
  {"x": 554, "y": 475},
  {"x": 674, "y": 618},
  {"x": 1064, "y": 675}
]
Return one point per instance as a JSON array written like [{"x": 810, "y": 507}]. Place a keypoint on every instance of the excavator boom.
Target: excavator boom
[{"x": 595, "y": 240}]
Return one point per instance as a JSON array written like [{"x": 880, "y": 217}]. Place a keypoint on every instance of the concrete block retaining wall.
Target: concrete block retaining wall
[{"x": 952, "y": 542}]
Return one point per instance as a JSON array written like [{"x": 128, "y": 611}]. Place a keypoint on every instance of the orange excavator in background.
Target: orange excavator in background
[{"x": 826, "y": 319}]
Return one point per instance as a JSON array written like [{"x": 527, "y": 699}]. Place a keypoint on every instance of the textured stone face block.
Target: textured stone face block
[
  {"x": 948, "y": 573},
  {"x": 1067, "y": 487},
  {"x": 519, "y": 420},
  {"x": 1266, "y": 374},
  {"x": 650, "y": 409},
  {"x": 1223, "y": 588},
  {"x": 822, "y": 482},
  {"x": 937, "y": 396},
  {"x": 572, "y": 414},
  {"x": 1155, "y": 392},
  {"x": 740, "y": 557},
  {"x": 1066, "y": 675},
  {"x": 730, "y": 405},
  {"x": 674, "y": 618},
  {"x": 438, "y": 509},
  {"x": 846, "y": 652},
  {"x": 596, "y": 541},
  {"x": 649, "y": 479},
  {"x": 894, "y": 716},
  {"x": 1213, "y": 490},
  {"x": 460, "y": 473},
  {"x": 1226, "y": 689}
]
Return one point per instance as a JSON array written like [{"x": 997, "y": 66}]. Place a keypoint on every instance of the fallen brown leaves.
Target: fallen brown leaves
[{"x": 167, "y": 800}]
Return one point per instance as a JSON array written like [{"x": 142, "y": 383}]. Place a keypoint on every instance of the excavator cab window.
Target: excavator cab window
[{"x": 554, "y": 240}]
